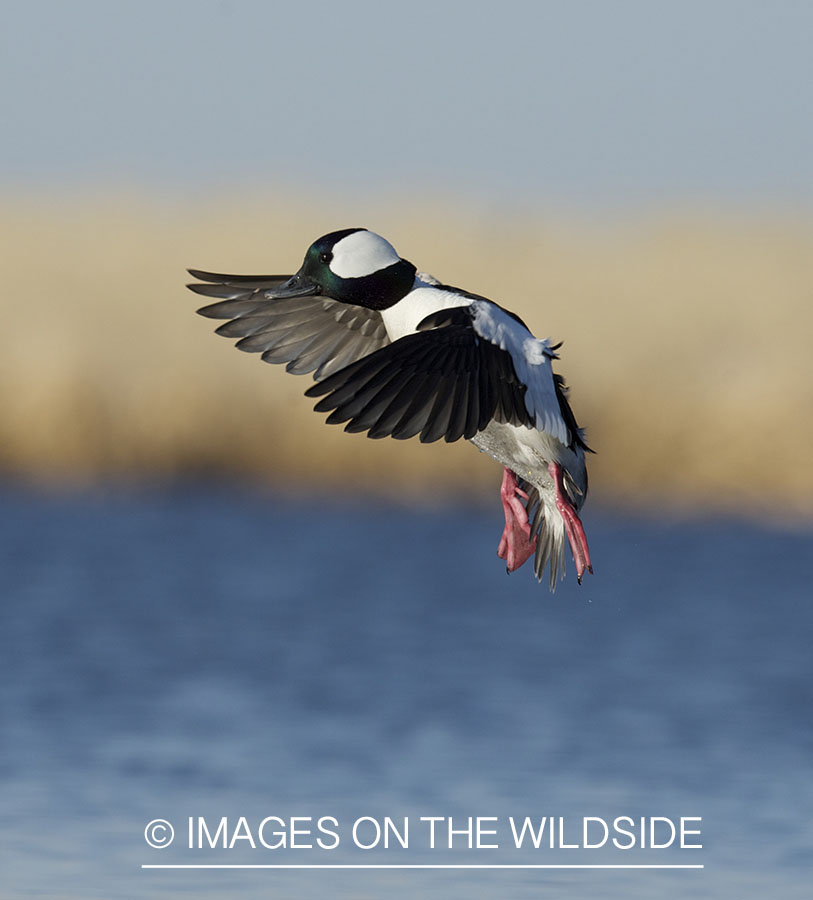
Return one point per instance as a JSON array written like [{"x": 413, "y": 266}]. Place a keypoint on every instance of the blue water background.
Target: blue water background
[{"x": 222, "y": 651}]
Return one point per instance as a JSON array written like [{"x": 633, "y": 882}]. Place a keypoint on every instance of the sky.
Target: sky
[{"x": 583, "y": 105}]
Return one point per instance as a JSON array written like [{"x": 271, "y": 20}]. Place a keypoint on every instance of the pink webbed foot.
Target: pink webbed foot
[
  {"x": 573, "y": 526},
  {"x": 515, "y": 544}
]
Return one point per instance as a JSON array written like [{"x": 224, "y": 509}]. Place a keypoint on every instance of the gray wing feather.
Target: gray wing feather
[{"x": 310, "y": 334}]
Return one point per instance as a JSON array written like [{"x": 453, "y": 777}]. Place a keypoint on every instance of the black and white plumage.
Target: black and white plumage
[{"x": 395, "y": 353}]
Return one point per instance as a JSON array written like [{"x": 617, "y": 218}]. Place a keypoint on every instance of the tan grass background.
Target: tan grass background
[{"x": 687, "y": 347}]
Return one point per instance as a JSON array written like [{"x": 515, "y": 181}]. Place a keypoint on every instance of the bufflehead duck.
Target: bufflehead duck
[{"x": 396, "y": 353}]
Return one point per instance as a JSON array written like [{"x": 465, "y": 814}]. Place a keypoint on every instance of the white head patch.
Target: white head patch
[{"x": 362, "y": 253}]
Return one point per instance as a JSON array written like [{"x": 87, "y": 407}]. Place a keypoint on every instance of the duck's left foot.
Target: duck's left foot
[
  {"x": 516, "y": 545},
  {"x": 573, "y": 526}
]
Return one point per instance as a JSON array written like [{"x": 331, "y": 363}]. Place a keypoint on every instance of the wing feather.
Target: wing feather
[
  {"x": 531, "y": 362},
  {"x": 310, "y": 334},
  {"x": 444, "y": 382}
]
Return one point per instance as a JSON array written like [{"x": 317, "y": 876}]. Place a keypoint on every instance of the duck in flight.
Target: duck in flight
[{"x": 395, "y": 353}]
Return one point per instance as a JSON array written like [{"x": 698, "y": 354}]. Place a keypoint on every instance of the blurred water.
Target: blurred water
[{"x": 217, "y": 652}]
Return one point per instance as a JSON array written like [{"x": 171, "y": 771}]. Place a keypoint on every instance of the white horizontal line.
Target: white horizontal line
[{"x": 421, "y": 866}]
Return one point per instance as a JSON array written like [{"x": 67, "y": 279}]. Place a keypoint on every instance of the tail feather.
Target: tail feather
[{"x": 547, "y": 525}]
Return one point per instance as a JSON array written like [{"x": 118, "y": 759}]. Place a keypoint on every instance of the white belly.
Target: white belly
[{"x": 527, "y": 452}]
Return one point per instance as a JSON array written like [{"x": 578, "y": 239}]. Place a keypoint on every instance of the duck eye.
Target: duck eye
[{"x": 326, "y": 257}]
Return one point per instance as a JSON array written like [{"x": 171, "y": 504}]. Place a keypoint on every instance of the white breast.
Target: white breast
[{"x": 421, "y": 301}]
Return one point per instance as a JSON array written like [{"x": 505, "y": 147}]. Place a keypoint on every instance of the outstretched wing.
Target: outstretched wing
[
  {"x": 311, "y": 334},
  {"x": 445, "y": 382}
]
